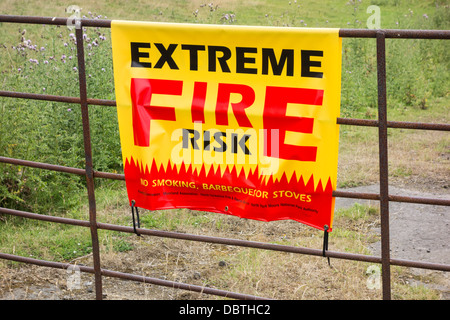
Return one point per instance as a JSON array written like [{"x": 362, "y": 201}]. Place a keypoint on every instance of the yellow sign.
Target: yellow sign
[{"x": 231, "y": 119}]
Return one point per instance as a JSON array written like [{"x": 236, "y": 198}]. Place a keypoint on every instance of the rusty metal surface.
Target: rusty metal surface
[
  {"x": 54, "y": 21},
  {"x": 394, "y": 124},
  {"x": 393, "y": 33},
  {"x": 89, "y": 164},
  {"x": 344, "y": 33},
  {"x": 47, "y": 166},
  {"x": 228, "y": 241},
  {"x": 139, "y": 278},
  {"x": 340, "y": 121},
  {"x": 383, "y": 164},
  {"x": 118, "y": 176},
  {"x": 43, "y": 217},
  {"x": 382, "y": 124},
  {"x": 48, "y": 97}
]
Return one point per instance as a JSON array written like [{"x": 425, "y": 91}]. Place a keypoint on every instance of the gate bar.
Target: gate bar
[
  {"x": 343, "y": 121},
  {"x": 119, "y": 176},
  {"x": 133, "y": 277},
  {"x": 343, "y": 33},
  {"x": 89, "y": 164},
  {"x": 383, "y": 155},
  {"x": 227, "y": 241}
]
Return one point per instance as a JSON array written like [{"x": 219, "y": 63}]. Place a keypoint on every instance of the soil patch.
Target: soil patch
[{"x": 417, "y": 232}]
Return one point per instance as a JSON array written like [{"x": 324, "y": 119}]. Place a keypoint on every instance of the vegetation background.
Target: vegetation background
[{"x": 42, "y": 59}]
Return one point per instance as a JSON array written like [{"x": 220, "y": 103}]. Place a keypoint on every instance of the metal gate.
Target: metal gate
[{"x": 383, "y": 196}]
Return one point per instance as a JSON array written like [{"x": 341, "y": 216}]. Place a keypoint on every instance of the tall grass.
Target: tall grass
[{"x": 52, "y": 132}]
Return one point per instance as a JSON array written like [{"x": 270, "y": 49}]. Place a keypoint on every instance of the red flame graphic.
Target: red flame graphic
[{"x": 230, "y": 192}]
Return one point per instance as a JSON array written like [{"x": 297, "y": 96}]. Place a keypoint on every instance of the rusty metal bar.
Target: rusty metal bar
[
  {"x": 340, "y": 121},
  {"x": 344, "y": 33},
  {"x": 54, "y": 21},
  {"x": 48, "y": 97},
  {"x": 383, "y": 155},
  {"x": 394, "y": 124},
  {"x": 109, "y": 175},
  {"x": 180, "y": 285},
  {"x": 228, "y": 241},
  {"x": 133, "y": 277},
  {"x": 394, "y": 33},
  {"x": 43, "y": 217},
  {"x": 47, "y": 166},
  {"x": 89, "y": 164},
  {"x": 42, "y": 165},
  {"x": 118, "y": 176},
  {"x": 395, "y": 198}
]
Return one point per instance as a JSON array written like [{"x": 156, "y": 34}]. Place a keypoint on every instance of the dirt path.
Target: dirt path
[{"x": 417, "y": 232}]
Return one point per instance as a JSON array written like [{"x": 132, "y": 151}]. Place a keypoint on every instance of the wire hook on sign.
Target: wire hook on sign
[
  {"x": 325, "y": 242},
  {"x": 133, "y": 210}
]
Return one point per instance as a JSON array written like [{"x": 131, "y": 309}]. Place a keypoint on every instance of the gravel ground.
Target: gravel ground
[{"x": 417, "y": 232}]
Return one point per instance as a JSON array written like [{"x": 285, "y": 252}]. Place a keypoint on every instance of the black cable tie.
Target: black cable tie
[
  {"x": 325, "y": 243},
  {"x": 133, "y": 210}
]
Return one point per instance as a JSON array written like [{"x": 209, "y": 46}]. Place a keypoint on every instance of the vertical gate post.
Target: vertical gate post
[
  {"x": 383, "y": 154},
  {"x": 89, "y": 165}
]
